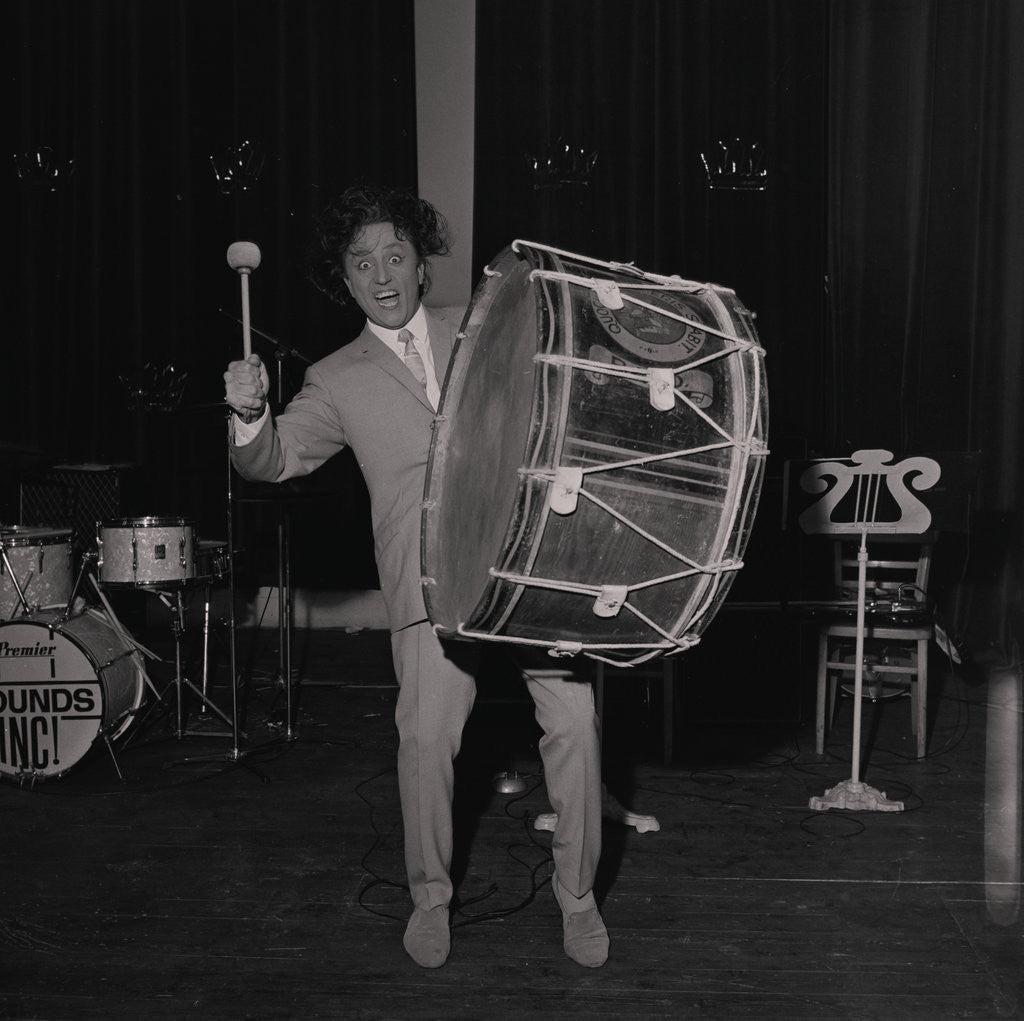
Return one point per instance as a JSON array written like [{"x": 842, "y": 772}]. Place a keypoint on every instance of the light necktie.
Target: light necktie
[{"x": 411, "y": 356}]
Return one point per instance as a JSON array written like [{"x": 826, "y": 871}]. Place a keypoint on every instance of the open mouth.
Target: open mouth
[{"x": 387, "y": 299}]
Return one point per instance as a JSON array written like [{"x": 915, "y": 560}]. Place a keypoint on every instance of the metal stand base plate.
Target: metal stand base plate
[{"x": 855, "y": 796}]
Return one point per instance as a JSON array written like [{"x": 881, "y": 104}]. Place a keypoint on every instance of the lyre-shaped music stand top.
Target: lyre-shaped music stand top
[
  {"x": 869, "y": 495},
  {"x": 866, "y": 493}
]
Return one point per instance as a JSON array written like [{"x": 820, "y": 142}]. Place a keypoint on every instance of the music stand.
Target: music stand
[{"x": 852, "y": 505}]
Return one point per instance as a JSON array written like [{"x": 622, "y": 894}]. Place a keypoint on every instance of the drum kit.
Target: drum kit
[{"x": 72, "y": 676}]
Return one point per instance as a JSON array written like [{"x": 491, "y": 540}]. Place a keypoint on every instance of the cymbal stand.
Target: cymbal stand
[
  {"x": 206, "y": 643},
  {"x": 284, "y": 615},
  {"x": 236, "y": 754},
  {"x": 284, "y": 579},
  {"x": 177, "y": 607},
  {"x": 232, "y": 654},
  {"x": 14, "y": 578}
]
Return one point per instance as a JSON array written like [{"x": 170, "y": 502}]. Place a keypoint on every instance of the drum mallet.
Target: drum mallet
[{"x": 244, "y": 257}]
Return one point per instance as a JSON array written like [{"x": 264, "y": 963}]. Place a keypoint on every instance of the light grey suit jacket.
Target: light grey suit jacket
[{"x": 364, "y": 397}]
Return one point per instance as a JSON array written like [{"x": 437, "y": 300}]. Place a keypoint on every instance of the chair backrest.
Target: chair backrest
[{"x": 897, "y": 569}]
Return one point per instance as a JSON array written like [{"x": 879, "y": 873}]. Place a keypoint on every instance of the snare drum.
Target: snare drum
[
  {"x": 146, "y": 552},
  {"x": 63, "y": 685},
  {"x": 212, "y": 559},
  {"x": 596, "y": 461},
  {"x": 40, "y": 559}
]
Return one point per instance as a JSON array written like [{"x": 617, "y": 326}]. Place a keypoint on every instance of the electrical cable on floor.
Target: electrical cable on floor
[{"x": 460, "y": 917}]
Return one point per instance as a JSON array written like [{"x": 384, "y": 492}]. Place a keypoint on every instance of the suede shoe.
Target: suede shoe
[
  {"x": 428, "y": 939},
  {"x": 584, "y": 935}
]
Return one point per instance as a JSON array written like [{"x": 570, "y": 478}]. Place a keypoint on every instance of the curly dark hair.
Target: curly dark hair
[{"x": 344, "y": 217}]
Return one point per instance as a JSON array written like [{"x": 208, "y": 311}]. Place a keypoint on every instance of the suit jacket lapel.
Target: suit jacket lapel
[
  {"x": 441, "y": 343},
  {"x": 374, "y": 349}
]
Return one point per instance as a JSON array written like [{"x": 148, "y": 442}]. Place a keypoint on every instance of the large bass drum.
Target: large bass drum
[
  {"x": 64, "y": 684},
  {"x": 597, "y": 459}
]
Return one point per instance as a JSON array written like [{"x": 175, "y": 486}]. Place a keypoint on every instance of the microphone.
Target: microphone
[{"x": 244, "y": 257}]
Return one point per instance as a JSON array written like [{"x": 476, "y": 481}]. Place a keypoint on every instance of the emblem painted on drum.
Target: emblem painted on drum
[
  {"x": 599, "y": 353},
  {"x": 698, "y": 386},
  {"x": 648, "y": 334}
]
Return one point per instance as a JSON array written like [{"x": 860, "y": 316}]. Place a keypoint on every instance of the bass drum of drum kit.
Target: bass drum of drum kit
[{"x": 71, "y": 675}]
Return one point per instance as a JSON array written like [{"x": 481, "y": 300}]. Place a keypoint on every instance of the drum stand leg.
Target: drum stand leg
[
  {"x": 206, "y": 645},
  {"x": 14, "y": 578},
  {"x": 180, "y": 680},
  {"x": 113, "y": 757},
  {"x": 284, "y": 615}
]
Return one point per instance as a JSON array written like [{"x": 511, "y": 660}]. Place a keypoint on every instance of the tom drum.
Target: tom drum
[{"x": 147, "y": 552}]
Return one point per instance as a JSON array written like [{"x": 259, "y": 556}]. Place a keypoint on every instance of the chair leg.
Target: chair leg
[
  {"x": 819, "y": 720},
  {"x": 668, "y": 713},
  {"x": 921, "y": 709}
]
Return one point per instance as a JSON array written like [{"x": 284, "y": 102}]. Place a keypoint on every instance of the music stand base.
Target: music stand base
[{"x": 855, "y": 796}]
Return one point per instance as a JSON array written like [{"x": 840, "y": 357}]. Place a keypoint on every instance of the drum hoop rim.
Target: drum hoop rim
[
  {"x": 477, "y": 312},
  {"x": 147, "y": 521},
  {"x": 39, "y": 532}
]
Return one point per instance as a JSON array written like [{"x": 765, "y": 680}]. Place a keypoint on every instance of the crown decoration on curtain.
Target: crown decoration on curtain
[
  {"x": 43, "y": 168},
  {"x": 561, "y": 165},
  {"x": 154, "y": 388},
  {"x": 238, "y": 167},
  {"x": 735, "y": 166}
]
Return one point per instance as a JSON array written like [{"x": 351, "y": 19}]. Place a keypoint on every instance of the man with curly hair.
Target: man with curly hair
[{"x": 379, "y": 395}]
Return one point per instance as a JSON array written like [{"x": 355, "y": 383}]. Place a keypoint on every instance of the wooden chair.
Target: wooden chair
[
  {"x": 865, "y": 497},
  {"x": 898, "y": 626}
]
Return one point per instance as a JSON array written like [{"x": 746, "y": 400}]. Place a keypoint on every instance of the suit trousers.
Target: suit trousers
[{"x": 437, "y": 690}]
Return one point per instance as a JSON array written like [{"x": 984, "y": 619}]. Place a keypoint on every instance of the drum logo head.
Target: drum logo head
[{"x": 649, "y": 334}]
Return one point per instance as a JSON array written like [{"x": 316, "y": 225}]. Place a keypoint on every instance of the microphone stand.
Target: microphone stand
[
  {"x": 284, "y": 596},
  {"x": 283, "y": 350}
]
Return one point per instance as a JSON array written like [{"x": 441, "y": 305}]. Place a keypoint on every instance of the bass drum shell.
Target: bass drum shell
[
  {"x": 63, "y": 686},
  {"x": 670, "y": 525}
]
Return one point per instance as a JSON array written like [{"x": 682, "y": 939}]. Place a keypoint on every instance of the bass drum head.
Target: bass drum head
[
  {"x": 62, "y": 686},
  {"x": 473, "y": 481}
]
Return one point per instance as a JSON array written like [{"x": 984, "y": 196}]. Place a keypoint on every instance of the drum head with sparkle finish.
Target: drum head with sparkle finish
[{"x": 63, "y": 685}]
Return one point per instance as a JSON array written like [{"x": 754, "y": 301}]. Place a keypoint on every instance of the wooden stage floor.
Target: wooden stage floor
[{"x": 268, "y": 885}]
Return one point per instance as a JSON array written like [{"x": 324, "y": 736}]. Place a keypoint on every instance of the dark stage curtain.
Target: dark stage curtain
[
  {"x": 926, "y": 141},
  {"x": 121, "y": 263}
]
